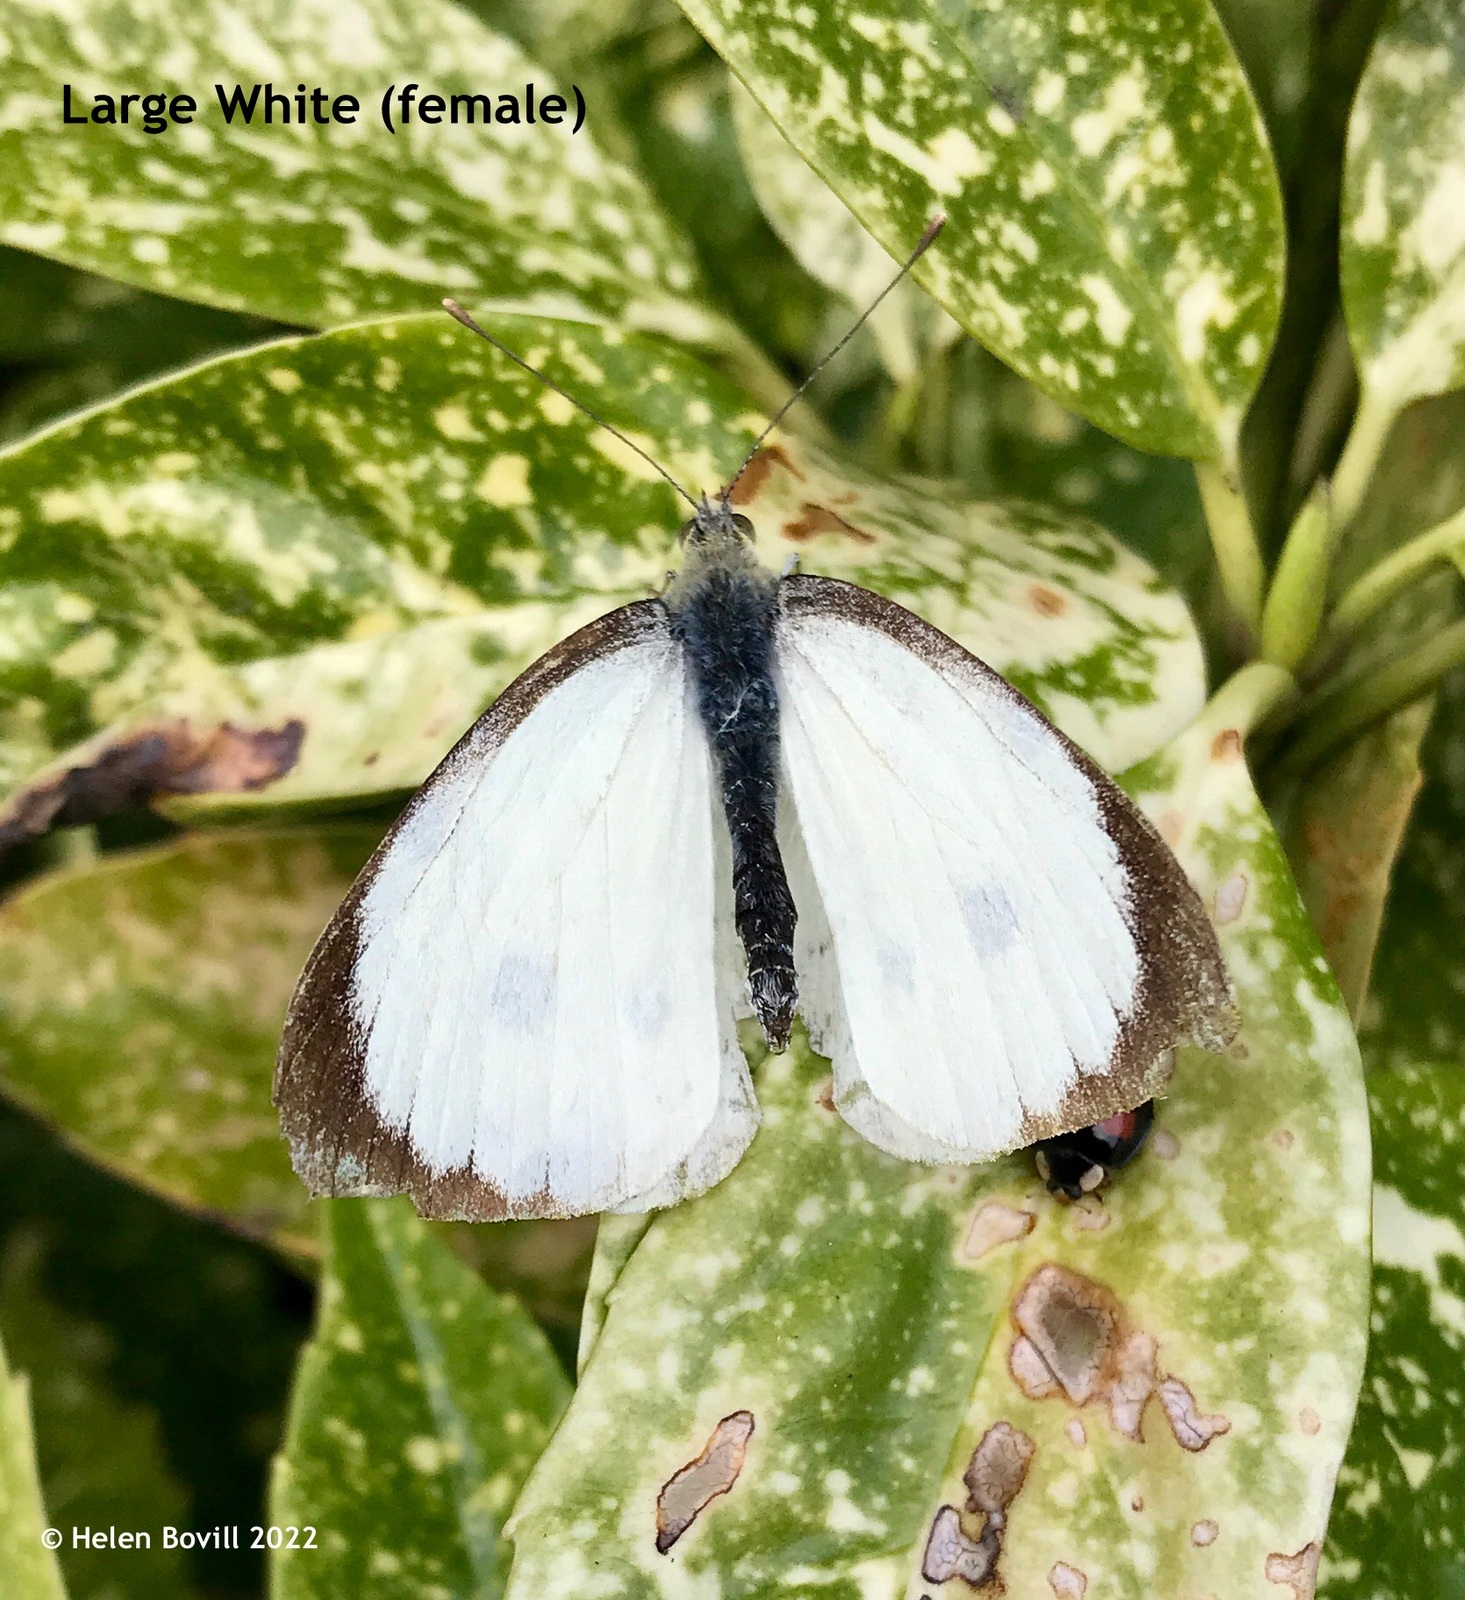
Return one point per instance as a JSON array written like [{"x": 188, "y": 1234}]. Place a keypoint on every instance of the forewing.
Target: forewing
[
  {"x": 994, "y": 946},
  {"x": 515, "y": 1011}
]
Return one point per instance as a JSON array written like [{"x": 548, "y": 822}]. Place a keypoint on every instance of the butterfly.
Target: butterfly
[{"x": 754, "y": 795}]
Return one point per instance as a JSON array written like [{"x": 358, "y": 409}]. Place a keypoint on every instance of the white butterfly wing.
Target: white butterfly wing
[
  {"x": 993, "y": 944},
  {"x": 516, "y": 1011}
]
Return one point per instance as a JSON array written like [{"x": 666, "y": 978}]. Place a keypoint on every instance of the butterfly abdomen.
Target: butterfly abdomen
[{"x": 724, "y": 612}]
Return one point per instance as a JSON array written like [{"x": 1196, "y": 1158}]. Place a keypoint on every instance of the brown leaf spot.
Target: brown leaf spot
[
  {"x": 1066, "y": 1582},
  {"x": 1226, "y": 746},
  {"x": 1074, "y": 1326},
  {"x": 1029, "y": 1371},
  {"x": 1074, "y": 1335},
  {"x": 998, "y": 1469},
  {"x": 687, "y": 1492},
  {"x": 1047, "y": 602},
  {"x": 1300, "y": 1571},
  {"x": 824, "y": 1095},
  {"x": 814, "y": 520},
  {"x": 993, "y": 1225},
  {"x": 1137, "y": 1504},
  {"x": 1090, "y": 1219},
  {"x": 171, "y": 758},
  {"x": 1308, "y": 1420},
  {"x": 1193, "y": 1430},
  {"x": 1204, "y": 1532},
  {"x": 1230, "y": 898},
  {"x": 951, "y": 1554},
  {"x": 1283, "y": 1138},
  {"x": 755, "y": 474},
  {"x": 994, "y": 1477}
]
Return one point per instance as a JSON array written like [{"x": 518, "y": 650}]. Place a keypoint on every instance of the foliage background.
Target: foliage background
[{"x": 157, "y": 1268}]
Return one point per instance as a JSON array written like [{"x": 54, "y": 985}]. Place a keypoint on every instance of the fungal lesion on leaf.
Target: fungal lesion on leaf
[
  {"x": 690, "y": 1489},
  {"x": 1298, "y": 1571},
  {"x": 994, "y": 1476},
  {"x": 148, "y": 763},
  {"x": 1075, "y": 1338},
  {"x": 813, "y": 520}
]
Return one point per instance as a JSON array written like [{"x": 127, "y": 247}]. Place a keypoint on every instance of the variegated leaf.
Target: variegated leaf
[
  {"x": 829, "y": 243},
  {"x": 1396, "y": 1532},
  {"x": 100, "y": 1452},
  {"x": 141, "y": 998},
  {"x": 1115, "y": 227},
  {"x": 419, "y": 1408},
  {"x": 893, "y": 1381},
  {"x": 297, "y": 575},
  {"x": 1403, "y": 231},
  {"x": 31, "y": 1571},
  {"x": 319, "y": 224}
]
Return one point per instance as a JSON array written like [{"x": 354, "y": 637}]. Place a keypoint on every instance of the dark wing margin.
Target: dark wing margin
[
  {"x": 1183, "y": 994},
  {"x": 339, "y": 1144}
]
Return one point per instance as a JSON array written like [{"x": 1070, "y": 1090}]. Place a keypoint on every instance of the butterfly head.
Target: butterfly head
[{"x": 715, "y": 526}]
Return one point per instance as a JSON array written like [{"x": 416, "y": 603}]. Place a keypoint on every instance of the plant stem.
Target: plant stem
[
  {"x": 1333, "y": 717},
  {"x": 1238, "y": 557},
  {"x": 1247, "y": 698},
  {"x": 1366, "y": 440},
  {"x": 1395, "y": 572},
  {"x": 1295, "y": 601}
]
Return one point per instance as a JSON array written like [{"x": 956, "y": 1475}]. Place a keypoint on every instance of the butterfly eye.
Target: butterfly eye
[{"x": 744, "y": 527}]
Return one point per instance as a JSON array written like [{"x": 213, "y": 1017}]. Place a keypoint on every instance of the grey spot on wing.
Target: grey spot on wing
[
  {"x": 897, "y": 967},
  {"x": 646, "y": 1009},
  {"x": 990, "y": 918},
  {"x": 523, "y": 992}
]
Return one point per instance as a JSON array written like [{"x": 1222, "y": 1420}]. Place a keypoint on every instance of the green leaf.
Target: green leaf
[
  {"x": 829, "y": 243},
  {"x": 1402, "y": 243},
  {"x": 865, "y": 1314},
  {"x": 82, "y": 338},
  {"x": 1403, "y": 247},
  {"x": 419, "y": 1408},
  {"x": 31, "y": 1571},
  {"x": 319, "y": 224},
  {"x": 1345, "y": 834},
  {"x": 1401, "y": 1505},
  {"x": 1115, "y": 227},
  {"x": 142, "y": 1002},
  {"x": 101, "y": 1456},
  {"x": 296, "y": 576},
  {"x": 1395, "y": 1533}
]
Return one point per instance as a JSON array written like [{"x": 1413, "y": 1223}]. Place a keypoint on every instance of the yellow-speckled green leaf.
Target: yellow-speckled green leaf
[
  {"x": 1115, "y": 227},
  {"x": 419, "y": 1408},
  {"x": 141, "y": 999},
  {"x": 1397, "y": 1530},
  {"x": 30, "y": 1570},
  {"x": 101, "y": 1456},
  {"x": 309, "y": 223},
  {"x": 1403, "y": 231},
  {"x": 296, "y": 576},
  {"x": 829, "y": 243},
  {"x": 830, "y": 1338},
  {"x": 1344, "y": 835}
]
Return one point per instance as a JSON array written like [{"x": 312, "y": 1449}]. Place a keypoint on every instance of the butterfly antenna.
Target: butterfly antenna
[
  {"x": 936, "y": 224},
  {"x": 458, "y": 314}
]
